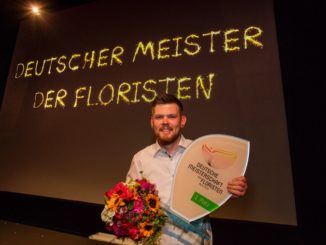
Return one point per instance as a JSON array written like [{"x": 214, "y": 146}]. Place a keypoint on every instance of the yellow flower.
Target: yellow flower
[
  {"x": 134, "y": 188},
  {"x": 147, "y": 229},
  {"x": 153, "y": 202},
  {"x": 114, "y": 202}
]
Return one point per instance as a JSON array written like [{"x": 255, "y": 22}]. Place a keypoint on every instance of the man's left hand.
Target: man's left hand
[{"x": 238, "y": 186}]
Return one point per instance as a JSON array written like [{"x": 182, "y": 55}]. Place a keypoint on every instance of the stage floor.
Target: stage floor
[{"x": 19, "y": 234}]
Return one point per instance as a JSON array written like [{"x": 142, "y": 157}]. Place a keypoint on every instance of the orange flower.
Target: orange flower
[
  {"x": 146, "y": 229},
  {"x": 153, "y": 202},
  {"x": 115, "y": 202}
]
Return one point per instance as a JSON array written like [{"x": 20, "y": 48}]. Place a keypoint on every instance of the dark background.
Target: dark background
[{"x": 300, "y": 28}]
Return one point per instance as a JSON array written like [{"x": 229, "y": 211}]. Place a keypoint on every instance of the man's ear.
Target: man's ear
[
  {"x": 183, "y": 121},
  {"x": 151, "y": 122}
]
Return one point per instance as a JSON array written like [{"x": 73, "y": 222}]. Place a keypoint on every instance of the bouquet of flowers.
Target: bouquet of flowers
[{"x": 132, "y": 210}]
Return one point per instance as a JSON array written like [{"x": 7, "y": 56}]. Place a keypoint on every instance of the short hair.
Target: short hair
[{"x": 162, "y": 99}]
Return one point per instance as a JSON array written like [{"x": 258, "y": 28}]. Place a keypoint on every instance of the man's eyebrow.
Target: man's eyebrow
[{"x": 165, "y": 115}]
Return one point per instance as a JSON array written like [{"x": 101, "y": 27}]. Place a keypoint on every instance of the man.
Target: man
[{"x": 158, "y": 161}]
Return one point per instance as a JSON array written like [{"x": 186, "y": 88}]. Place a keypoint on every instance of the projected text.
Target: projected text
[{"x": 186, "y": 87}]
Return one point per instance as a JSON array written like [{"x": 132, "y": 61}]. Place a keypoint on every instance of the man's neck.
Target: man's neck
[{"x": 170, "y": 148}]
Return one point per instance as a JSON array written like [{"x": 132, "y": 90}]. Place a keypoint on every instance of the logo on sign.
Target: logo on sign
[{"x": 218, "y": 158}]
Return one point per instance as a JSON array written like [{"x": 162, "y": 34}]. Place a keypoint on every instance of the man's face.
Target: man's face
[{"x": 167, "y": 122}]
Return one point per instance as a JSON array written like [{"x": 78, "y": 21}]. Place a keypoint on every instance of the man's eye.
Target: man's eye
[
  {"x": 172, "y": 116},
  {"x": 158, "y": 117}
]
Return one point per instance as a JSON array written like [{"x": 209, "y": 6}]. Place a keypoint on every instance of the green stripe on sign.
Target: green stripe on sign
[{"x": 204, "y": 202}]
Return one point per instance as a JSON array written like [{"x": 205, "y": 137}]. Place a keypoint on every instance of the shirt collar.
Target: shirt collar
[{"x": 157, "y": 148}]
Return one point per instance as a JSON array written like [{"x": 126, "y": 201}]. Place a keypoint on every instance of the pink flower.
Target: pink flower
[
  {"x": 146, "y": 186},
  {"x": 138, "y": 206}
]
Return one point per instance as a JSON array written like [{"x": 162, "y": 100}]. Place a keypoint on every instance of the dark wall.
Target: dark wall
[
  {"x": 8, "y": 27},
  {"x": 299, "y": 28}
]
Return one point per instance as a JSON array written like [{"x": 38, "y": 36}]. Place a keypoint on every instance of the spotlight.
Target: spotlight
[{"x": 35, "y": 10}]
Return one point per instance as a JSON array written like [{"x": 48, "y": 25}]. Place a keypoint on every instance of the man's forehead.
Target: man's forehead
[{"x": 165, "y": 108}]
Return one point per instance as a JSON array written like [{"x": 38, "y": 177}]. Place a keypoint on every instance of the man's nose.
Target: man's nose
[{"x": 165, "y": 120}]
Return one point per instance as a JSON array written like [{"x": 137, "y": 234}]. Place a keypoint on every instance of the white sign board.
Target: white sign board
[{"x": 202, "y": 174}]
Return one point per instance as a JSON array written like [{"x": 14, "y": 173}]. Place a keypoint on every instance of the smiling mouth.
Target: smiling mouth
[
  {"x": 165, "y": 132},
  {"x": 165, "y": 129}
]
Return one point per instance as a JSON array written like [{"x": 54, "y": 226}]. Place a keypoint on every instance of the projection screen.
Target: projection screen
[{"x": 77, "y": 100}]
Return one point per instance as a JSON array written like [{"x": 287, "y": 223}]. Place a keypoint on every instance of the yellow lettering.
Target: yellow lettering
[
  {"x": 48, "y": 99},
  {"x": 167, "y": 82},
  {"x": 161, "y": 49},
  {"x": 111, "y": 96},
  {"x": 149, "y": 47},
  {"x": 183, "y": 88},
  {"x": 29, "y": 67},
  {"x": 116, "y": 53},
  {"x": 200, "y": 85},
  {"x": 211, "y": 35},
  {"x": 190, "y": 43},
  {"x": 62, "y": 65},
  {"x": 78, "y": 96},
  {"x": 89, "y": 97},
  {"x": 152, "y": 91},
  {"x": 89, "y": 60},
  {"x": 136, "y": 85},
  {"x": 102, "y": 57},
  {"x": 228, "y": 40},
  {"x": 176, "y": 54},
  {"x": 50, "y": 65},
  {"x": 18, "y": 73},
  {"x": 36, "y": 65},
  {"x": 122, "y": 92},
  {"x": 73, "y": 57},
  {"x": 36, "y": 96},
  {"x": 61, "y": 94},
  {"x": 251, "y": 37}
]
